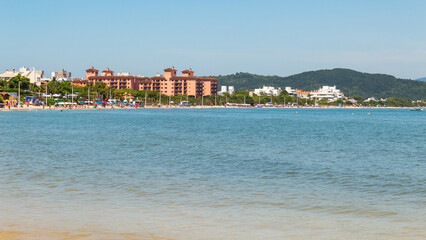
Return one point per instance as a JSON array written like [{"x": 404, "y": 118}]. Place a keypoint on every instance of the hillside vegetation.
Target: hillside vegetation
[{"x": 349, "y": 81}]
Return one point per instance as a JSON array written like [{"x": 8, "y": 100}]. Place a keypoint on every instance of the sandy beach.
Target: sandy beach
[{"x": 85, "y": 107}]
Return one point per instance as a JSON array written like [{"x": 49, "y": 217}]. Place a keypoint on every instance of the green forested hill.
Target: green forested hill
[{"x": 349, "y": 81}]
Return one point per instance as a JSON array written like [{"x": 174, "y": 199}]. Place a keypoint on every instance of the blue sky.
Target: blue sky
[{"x": 215, "y": 37}]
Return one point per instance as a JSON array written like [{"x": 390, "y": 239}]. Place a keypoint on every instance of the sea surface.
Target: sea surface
[{"x": 213, "y": 174}]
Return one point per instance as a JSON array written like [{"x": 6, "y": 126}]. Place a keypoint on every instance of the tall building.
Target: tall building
[
  {"x": 169, "y": 84},
  {"x": 118, "y": 82},
  {"x": 223, "y": 89},
  {"x": 91, "y": 72},
  {"x": 226, "y": 89},
  {"x": 231, "y": 90},
  {"x": 187, "y": 84},
  {"x": 61, "y": 75}
]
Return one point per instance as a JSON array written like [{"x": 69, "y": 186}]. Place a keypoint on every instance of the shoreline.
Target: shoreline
[{"x": 40, "y": 108}]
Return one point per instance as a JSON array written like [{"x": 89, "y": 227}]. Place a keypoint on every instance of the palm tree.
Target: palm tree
[{"x": 101, "y": 88}]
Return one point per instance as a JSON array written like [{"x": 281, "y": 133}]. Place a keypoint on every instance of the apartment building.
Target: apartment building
[{"x": 169, "y": 84}]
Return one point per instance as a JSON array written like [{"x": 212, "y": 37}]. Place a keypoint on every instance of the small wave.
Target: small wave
[
  {"x": 363, "y": 212},
  {"x": 313, "y": 208}
]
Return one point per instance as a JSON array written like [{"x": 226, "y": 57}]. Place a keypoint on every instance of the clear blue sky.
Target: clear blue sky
[{"x": 215, "y": 37}]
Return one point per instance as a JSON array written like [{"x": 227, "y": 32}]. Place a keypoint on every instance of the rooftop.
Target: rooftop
[
  {"x": 92, "y": 69},
  {"x": 172, "y": 69},
  {"x": 108, "y": 70},
  {"x": 187, "y": 71}
]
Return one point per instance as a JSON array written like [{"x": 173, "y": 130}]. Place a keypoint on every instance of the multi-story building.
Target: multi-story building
[
  {"x": 223, "y": 89},
  {"x": 303, "y": 94},
  {"x": 8, "y": 75},
  {"x": 231, "y": 90},
  {"x": 79, "y": 82},
  {"x": 117, "y": 82},
  {"x": 327, "y": 92},
  {"x": 290, "y": 91},
  {"x": 187, "y": 84},
  {"x": 226, "y": 89},
  {"x": 169, "y": 84},
  {"x": 267, "y": 90},
  {"x": 35, "y": 76},
  {"x": 61, "y": 75}
]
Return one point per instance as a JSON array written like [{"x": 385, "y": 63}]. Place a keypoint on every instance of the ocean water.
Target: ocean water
[{"x": 213, "y": 174}]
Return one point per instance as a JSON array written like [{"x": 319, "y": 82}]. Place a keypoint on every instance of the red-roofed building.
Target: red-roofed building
[
  {"x": 187, "y": 73},
  {"x": 107, "y": 72},
  {"x": 187, "y": 84},
  {"x": 91, "y": 72},
  {"x": 79, "y": 82},
  {"x": 170, "y": 84}
]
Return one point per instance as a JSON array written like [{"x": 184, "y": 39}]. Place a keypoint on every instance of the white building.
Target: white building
[
  {"x": 35, "y": 76},
  {"x": 267, "y": 90},
  {"x": 8, "y": 75},
  {"x": 327, "y": 92},
  {"x": 231, "y": 90},
  {"x": 62, "y": 75},
  {"x": 290, "y": 91},
  {"x": 226, "y": 89},
  {"x": 223, "y": 89}
]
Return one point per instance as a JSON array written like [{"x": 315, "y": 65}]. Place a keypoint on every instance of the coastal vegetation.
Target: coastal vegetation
[
  {"x": 101, "y": 92},
  {"x": 349, "y": 81},
  {"x": 12, "y": 84}
]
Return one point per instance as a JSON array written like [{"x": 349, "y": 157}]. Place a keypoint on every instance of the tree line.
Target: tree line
[
  {"x": 349, "y": 81},
  {"x": 101, "y": 92}
]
